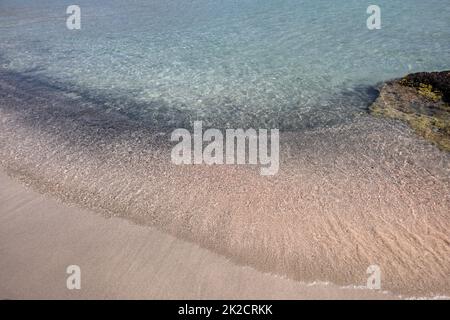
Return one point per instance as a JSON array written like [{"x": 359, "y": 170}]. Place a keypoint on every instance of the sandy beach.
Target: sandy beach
[
  {"x": 94, "y": 95},
  {"x": 40, "y": 237},
  {"x": 367, "y": 192}
]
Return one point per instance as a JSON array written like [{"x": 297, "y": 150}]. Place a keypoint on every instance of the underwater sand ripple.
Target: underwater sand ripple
[{"x": 346, "y": 197}]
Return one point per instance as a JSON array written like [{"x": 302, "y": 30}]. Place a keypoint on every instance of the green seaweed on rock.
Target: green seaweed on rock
[{"x": 421, "y": 100}]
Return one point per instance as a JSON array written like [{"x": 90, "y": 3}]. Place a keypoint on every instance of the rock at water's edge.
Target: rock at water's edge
[{"x": 423, "y": 101}]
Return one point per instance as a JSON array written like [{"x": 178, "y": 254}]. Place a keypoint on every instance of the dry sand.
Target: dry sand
[{"x": 40, "y": 237}]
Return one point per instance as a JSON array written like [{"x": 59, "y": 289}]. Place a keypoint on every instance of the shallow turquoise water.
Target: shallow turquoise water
[{"x": 287, "y": 64}]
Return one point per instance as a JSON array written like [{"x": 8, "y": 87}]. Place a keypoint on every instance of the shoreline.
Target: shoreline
[
  {"x": 40, "y": 237},
  {"x": 346, "y": 197}
]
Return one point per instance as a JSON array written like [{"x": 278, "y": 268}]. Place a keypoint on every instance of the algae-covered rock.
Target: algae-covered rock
[{"x": 423, "y": 101}]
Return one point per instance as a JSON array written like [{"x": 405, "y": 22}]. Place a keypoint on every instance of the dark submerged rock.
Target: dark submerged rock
[{"x": 423, "y": 101}]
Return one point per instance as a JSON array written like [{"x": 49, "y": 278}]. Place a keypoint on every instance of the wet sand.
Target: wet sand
[
  {"x": 346, "y": 197},
  {"x": 40, "y": 237}
]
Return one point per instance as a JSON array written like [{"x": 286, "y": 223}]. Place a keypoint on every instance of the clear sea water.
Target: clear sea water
[{"x": 263, "y": 63}]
